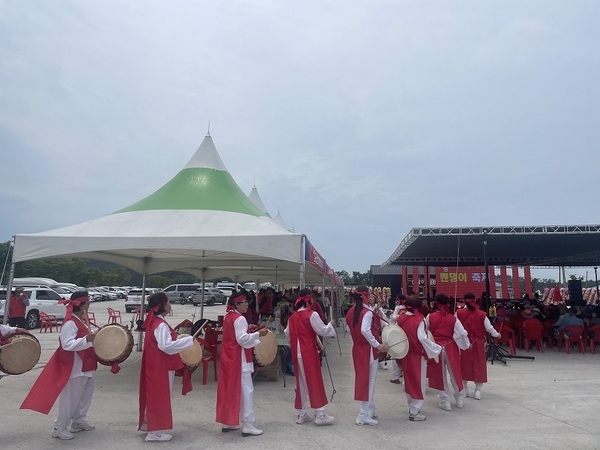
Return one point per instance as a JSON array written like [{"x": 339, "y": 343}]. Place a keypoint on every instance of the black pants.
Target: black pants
[{"x": 17, "y": 322}]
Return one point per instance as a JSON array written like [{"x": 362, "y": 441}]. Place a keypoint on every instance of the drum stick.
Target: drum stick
[
  {"x": 87, "y": 321},
  {"x": 201, "y": 328},
  {"x": 319, "y": 343}
]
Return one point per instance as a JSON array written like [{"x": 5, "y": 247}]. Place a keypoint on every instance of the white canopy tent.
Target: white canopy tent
[{"x": 200, "y": 223}]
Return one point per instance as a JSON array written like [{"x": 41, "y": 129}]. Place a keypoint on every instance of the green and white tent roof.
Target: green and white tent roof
[{"x": 200, "y": 222}]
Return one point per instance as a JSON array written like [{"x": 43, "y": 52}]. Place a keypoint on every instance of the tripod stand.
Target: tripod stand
[{"x": 496, "y": 353}]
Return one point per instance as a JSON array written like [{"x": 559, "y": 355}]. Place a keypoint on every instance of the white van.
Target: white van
[
  {"x": 35, "y": 281},
  {"x": 176, "y": 291}
]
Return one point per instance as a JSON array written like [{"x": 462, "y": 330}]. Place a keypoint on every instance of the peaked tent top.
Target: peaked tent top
[
  {"x": 203, "y": 184},
  {"x": 279, "y": 221},
  {"x": 255, "y": 197}
]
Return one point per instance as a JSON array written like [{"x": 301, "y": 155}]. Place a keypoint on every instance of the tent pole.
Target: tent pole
[
  {"x": 142, "y": 305},
  {"x": 11, "y": 275},
  {"x": 303, "y": 263},
  {"x": 202, "y": 294}
]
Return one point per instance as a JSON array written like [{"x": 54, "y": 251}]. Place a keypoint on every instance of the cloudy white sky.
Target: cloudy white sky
[{"x": 357, "y": 120}]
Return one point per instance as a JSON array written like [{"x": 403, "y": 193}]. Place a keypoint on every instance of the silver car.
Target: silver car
[{"x": 212, "y": 296}]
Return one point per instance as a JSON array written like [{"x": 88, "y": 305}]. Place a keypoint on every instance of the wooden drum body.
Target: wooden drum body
[
  {"x": 266, "y": 352},
  {"x": 192, "y": 356},
  {"x": 395, "y": 340},
  {"x": 19, "y": 353},
  {"x": 113, "y": 343}
]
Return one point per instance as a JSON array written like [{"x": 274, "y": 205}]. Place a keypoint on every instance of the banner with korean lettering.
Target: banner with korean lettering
[
  {"x": 460, "y": 280},
  {"x": 314, "y": 258},
  {"x": 329, "y": 272}
]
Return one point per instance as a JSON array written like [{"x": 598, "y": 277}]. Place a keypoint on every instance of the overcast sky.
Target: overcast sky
[{"x": 357, "y": 120}]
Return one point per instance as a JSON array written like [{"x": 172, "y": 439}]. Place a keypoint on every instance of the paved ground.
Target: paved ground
[{"x": 551, "y": 403}]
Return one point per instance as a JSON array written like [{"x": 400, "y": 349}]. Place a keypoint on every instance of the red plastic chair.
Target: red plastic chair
[
  {"x": 507, "y": 336},
  {"x": 48, "y": 322},
  {"x": 113, "y": 315},
  {"x": 594, "y": 337},
  {"x": 91, "y": 317},
  {"x": 573, "y": 334},
  {"x": 210, "y": 344},
  {"x": 533, "y": 331},
  {"x": 548, "y": 334}
]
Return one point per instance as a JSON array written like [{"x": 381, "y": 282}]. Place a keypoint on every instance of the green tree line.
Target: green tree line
[{"x": 86, "y": 273}]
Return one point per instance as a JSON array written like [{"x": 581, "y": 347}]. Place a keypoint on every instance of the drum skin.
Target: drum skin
[
  {"x": 265, "y": 352},
  {"x": 113, "y": 343},
  {"x": 395, "y": 340},
  {"x": 19, "y": 353}
]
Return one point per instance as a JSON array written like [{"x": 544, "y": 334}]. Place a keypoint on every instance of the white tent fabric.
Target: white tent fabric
[
  {"x": 279, "y": 221},
  {"x": 200, "y": 223},
  {"x": 255, "y": 197}
]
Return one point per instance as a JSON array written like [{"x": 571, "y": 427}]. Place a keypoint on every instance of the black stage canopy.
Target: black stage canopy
[{"x": 546, "y": 245}]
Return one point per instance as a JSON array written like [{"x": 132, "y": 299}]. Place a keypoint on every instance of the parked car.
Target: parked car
[
  {"x": 96, "y": 295},
  {"x": 40, "y": 300},
  {"x": 109, "y": 295},
  {"x": 229, "y": 288},
  {"x": 133, "y": 299},
  {"x": 212, "y": 296},
  {"x": 176, "y": 291}
]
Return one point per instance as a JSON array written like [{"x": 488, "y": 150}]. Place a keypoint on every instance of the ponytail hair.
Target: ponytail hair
[{"x": 358, "y": 302}]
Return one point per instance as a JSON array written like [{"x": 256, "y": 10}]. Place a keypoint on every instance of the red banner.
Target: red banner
[
  {"x": 456, "y": 281},
  {"x": 314, "y": 258}
]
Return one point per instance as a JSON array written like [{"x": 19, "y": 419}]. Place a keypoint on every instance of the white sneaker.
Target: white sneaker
[
  {"x": 62, "y": 433},
  {"x": 228, "y": 428},
  {"x": 82, "y": 426},
  {"x": 383, "y": 365},
  {"x": 304, "y": 419},
  {"x": 445, "y": 405},
  {"x": 417, "y": 417},
  {"x": 460, "y": 402},
  {"x": 250, "y": 430},
  {"x": 323, "y": 420},
  {"x": 477, "y": 394},
  {"x": 365, "y": 420},
  {"x": 158, "y": 436}
]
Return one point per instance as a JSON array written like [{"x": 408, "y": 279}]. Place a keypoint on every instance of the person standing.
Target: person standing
[
  {"x": 17, "y": 308},
  {"x": 399, "y": 309},
  {"x": 365, "y": 354},
  {"x": 302, "y": 331},
  {"x": 448, "y": 332},
  {"x": 235, "y": 388},
  {"x": 415, "y": 362},
  {"x": 160, "y": 360},
  {"x": 473, "y": 360},
  {"x": 69, "y": 373}
]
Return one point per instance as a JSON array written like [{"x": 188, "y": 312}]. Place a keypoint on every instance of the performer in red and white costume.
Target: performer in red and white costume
[
  {"x": 69, "y": 373},
  {"x": 365, "y": 353},
  {"x": 399, "y": 309},
  {"x": 448, "y": 332},
  {"x": 301, "y": 332},
  {"x": 160, "y": 360},
  {"x": 473, "y": 360},
  {"x": 414, "y": 364},
  {"x": 235, "y": 388}
]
